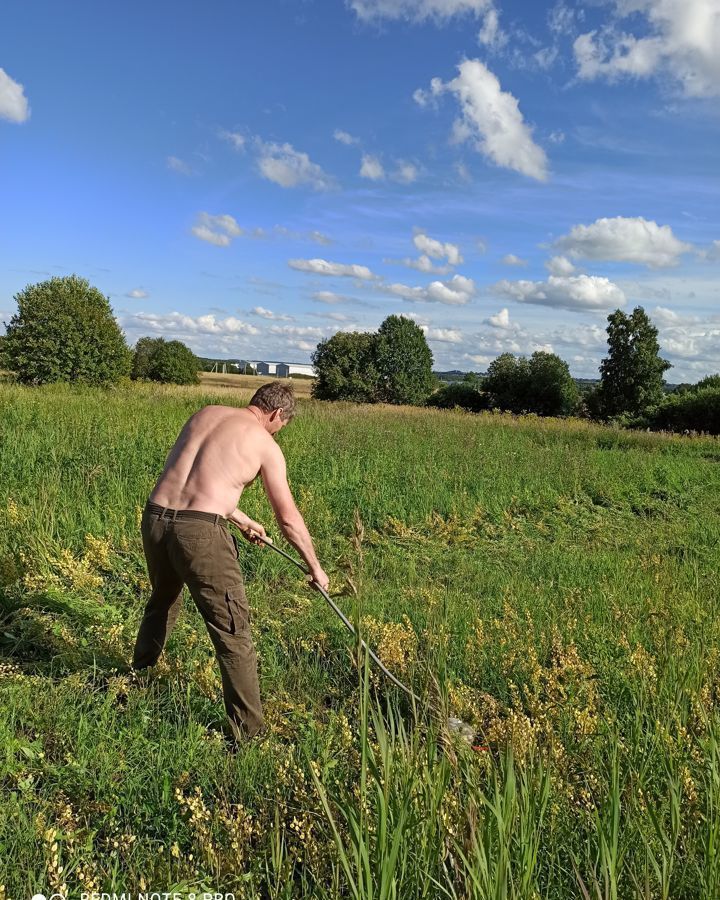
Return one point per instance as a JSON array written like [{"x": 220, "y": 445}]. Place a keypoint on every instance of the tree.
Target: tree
[
  {"x": 404, "y": 362},
  {"x": 631, "y": 376},
  {"x": 710, "y": 381},
  {"x": 507, "y": 382},
  {"x": 345, "y": 368},
  {"x": 551, "y": 390},
  {"x": 64, "y": 330},
  {"x": 142, "y": 356},
  {"x": 170, "y": 362}
]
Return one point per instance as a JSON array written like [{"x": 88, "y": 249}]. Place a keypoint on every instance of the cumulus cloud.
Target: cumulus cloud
[
  {"x": 417, "y": 10},
  {"x": 13, "y": 103},
  {"x": 286, "y": 166},
  {"x": 437, "y": 249},
  {"x": 371, "y": 168},
  {"x": 511, "y": 260},
  {"x": 422, "y": 264},
  {"x": 491, "y": 120},
  {"x": 345, "y": 137},
  {"x": 179, "y": 323},
  {"x": 559, "y": 265},
  {"x": 682, "y": 40},
  {"x": 137, "y": 294},
  {"x": 300, "y": 330},
  {"x": 456, "y": 292},
  {"x": 575, "y": 292},
  {"x": 219, "y": 230},
  {"x": 269, "y": 314},
  {"x": 323, "y": 267},
  {"x": 623, "y": 239},
  {"x": 500, "y": 320},
  {"x": 443, "y": 335}
]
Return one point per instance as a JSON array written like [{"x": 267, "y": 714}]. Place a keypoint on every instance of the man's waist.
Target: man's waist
[{"x": 167, "y": 512}]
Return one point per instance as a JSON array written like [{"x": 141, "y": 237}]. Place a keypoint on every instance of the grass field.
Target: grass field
[{"x": 554, "y": 583}]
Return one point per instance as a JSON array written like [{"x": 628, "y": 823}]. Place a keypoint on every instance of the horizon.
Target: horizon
[{"x": 504, "y": 173}]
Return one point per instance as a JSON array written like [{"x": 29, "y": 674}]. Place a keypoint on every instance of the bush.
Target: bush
[
  {"x": 345, "y": 367},
  {"x": 541, "y": 384},
  {"x": 458, "y": 393},
  {"x": 393, "y": 365},
  {"x": 169, "y": 362},
  {"x": 64, "y": 330},
  {"x": 696, "y": 410}
]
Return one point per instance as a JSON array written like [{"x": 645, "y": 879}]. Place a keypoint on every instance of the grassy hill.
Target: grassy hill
[{"x": 553, "y": 583}]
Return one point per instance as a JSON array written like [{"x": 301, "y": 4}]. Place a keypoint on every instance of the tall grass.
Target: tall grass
[{"x": 554, "y": 583}]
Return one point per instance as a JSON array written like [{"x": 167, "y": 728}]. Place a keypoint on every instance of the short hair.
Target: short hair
[{"x": 275, "y": 395}]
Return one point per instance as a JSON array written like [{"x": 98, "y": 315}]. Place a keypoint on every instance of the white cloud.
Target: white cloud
[
  {"x": 269, "y": 314},
  {"x": 443, "y": 335},
  {"x": 371, "y": 168},
  {"x": 406, "y": 172},
  {"x": 437, "y": 249},
  {"x": 682, "y": 41},
  {"x": 623, "y": 239},
  {"x": 422, "y": 264},
  {"x": 235, "y": 138},
  {"x": 179, "y": 323},
  {"x": 556, "y": 137},
  {"x": 178, "y": 165},
  {"x": 137, "y": 294},
  {"x": 511, "y": 260},
  {"x": 455, "y": 292},
  {"x": 323, "y": 267},
  {"x": 13, "y": 102},
  {"x": 280, "y": 231},
  {"x": 491, "y": 35},
  {"x": 218, "y": 230},
  {"x": 416, "y": 10},
  {"x": 561, "y": 18},
  {"x": 286, "y": 166},
  {"x": 345, "y": 138},
  {"x": 560, "y": 265},
  {"x": 576, "y": 292},
  {"x": 500, "y": 320},
  {"x": 492, "y": 120},
  {"x": 330, "y": 297},
  {"x": 301, "y": 330}
]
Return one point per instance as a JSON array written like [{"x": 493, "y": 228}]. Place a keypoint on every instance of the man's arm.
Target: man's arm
[
  {"x": 274, "y": 476},
  {"x": 247, "y": 525}
]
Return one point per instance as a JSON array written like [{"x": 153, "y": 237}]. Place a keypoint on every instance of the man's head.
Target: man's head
[{"x": 276, "y": 402}]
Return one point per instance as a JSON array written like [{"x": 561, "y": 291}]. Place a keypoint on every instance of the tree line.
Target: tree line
[
  {"x": 394, "y": 365},
  {"x": 64, "y": 330}
]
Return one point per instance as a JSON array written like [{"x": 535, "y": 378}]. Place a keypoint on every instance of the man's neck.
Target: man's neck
[{"x": 258, "y": 415}]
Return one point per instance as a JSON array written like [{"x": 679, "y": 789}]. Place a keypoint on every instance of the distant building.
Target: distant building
[
  {"x": 287, "y": 370},
  {"x": 267, "y": 368}
]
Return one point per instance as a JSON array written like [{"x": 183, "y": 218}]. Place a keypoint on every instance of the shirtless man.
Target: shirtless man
[{"x": 220, "y": 450}]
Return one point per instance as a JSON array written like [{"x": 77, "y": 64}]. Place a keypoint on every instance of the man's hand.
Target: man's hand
[
  {"x": 252, "y": 531},
  {"x": 319, "y": 577},
  {"x": 249, "y": 527}
]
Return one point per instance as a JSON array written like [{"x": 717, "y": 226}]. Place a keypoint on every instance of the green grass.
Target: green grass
[{"x": 555, "y": 583}]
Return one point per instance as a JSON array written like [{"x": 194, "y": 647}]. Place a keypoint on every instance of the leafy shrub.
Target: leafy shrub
[
  {"x": 64, "y": 330},
  {"x": 697, "y": 410},
  {"x": 169, "y": 362},
  {"x": 541, "y": 384},
  {"x": 458, "y": 393},
  {"x": 393, "y": 365}
]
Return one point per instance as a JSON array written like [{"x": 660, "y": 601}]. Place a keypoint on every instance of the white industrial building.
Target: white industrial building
[{"x": 278, "y": 369}]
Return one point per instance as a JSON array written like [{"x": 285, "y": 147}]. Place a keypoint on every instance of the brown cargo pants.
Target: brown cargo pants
[{"x": 198, "y": 549}]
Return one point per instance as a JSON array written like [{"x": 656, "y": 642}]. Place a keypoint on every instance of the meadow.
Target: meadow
[{"x": 555, "y": 583}]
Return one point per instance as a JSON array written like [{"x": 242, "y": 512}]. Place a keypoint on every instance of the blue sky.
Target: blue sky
[{"x": 252, "y": 177}]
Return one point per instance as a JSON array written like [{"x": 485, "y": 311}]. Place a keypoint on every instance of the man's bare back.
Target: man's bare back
[{"x": 221, "y": 450}]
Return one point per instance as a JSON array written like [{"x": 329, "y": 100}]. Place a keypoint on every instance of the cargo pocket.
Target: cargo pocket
[{"x": 237, "y": 608}]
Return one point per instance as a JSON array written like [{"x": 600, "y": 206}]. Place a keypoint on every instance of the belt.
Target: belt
[{"x": 166, "y": 512}]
